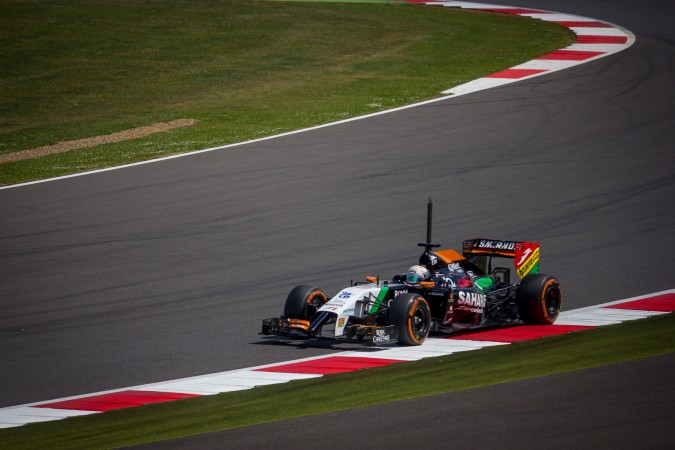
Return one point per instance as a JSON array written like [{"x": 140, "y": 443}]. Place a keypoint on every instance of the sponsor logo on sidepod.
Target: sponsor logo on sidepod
[{"x": 472, "y": 299}]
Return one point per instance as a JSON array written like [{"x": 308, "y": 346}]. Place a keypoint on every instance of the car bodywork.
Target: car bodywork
[{"x": 466, "y": 290}]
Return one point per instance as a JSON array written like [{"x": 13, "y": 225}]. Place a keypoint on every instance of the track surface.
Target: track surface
[{"x": 165, "y": 270}]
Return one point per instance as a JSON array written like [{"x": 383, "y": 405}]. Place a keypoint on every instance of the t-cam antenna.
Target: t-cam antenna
[{"x": 430, "y": 213}]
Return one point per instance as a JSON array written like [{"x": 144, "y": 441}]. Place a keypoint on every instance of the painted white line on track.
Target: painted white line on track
[
  {"x": 226, "y": 382},
  {"x": 598, "y": 31},
  {"x": 559, "y": 17},
  {"x": 547, "y": 64},
  {"x": 603, "y": 317},
  {"x": 605, "y": 48},
  {"x": 22, "y": 415},
  {"x": 480, "y": 84},
  {"x": 431, "y": 348}
]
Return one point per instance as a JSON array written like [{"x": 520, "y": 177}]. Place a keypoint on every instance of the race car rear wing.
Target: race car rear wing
[
  {"x": 525, "y": 254},
  {"x": 479, "y": 252}
]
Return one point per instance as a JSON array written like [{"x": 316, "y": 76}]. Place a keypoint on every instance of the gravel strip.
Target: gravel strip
[{"x": 66, "y": 146}]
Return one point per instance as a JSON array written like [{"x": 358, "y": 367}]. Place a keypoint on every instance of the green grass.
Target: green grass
[
  {"x": 245, "y": 69},
  {"x": 605, "y": 345}
]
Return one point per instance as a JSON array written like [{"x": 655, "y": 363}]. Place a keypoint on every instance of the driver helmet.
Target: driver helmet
[{"x": 417, "y": 273}]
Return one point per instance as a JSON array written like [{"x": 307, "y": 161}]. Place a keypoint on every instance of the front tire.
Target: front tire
[
  {"x": 303, "y": 301},
  {"x": 412, "y": 317},
  {"x": 539, "y": 299}
]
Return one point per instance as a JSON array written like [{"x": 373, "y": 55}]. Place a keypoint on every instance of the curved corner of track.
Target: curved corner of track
[{"x": 595, "y": 39}]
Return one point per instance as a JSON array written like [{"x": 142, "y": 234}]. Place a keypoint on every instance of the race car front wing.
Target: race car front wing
[{"x": 295, "y": 328}]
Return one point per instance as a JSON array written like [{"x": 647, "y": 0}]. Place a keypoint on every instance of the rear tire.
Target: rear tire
[
  {"x": 539, "y": 299},
  {"x": 412, "y": 317},
  {"x": 303, "y": 301}
]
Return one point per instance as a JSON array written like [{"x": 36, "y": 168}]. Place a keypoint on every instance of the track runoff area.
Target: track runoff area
[{"x": 595, "y": 39}]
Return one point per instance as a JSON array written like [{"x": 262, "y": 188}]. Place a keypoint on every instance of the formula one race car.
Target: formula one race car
[{"x": 445, "y": 292}]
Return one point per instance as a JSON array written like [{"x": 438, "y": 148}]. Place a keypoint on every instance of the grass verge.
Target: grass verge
[
  {"x": 244, "y": 69},
  {"x": 604, "y": 345}
]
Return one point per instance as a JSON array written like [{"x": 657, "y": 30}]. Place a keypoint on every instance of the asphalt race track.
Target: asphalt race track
[{"x": 164, "y": 270}]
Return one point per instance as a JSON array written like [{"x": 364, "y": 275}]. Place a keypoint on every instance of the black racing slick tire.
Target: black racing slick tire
[
  {"x": 411, "y": 315},
  {"x": 539, "y": 299},
  {"x": 303, "y": 301}
]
